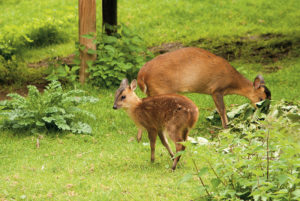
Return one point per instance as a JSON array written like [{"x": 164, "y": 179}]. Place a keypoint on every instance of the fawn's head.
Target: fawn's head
[
  {"x": 261, "y": 92},
  {"x": 125, "y": 96}
]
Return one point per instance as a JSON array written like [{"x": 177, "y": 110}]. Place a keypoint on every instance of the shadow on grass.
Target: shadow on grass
[{"x": 264, "y": 48}]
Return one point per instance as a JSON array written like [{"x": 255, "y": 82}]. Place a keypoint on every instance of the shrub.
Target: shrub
[
  {"x": 260, "y": 164},
  {"x": 11, "y": 71},
  {"x": 47, "y": 32},
  {"x": 53, "y": 109},
  {"x": 39, "y": 32},
  {"x": 118, "y": 56},
  {"x": 63, "y": 73}
]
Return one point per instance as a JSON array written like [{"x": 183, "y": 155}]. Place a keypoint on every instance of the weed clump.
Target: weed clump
[
  {"x": 52, "y": 110},
  {"x": 118, "y": 56},
  {"x": 256, "y": 159}
]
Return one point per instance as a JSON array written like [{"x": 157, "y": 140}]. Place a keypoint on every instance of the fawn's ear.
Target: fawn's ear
[
  {"x": 133, "y": 85},
  {"x": 258, "y": 82},
  {"x": 124, "y": 83}
]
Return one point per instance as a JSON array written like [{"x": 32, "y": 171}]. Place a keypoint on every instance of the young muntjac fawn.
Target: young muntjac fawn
[
  {"x": 172, "y": 114},
  {"x": 198, "y": 71}
]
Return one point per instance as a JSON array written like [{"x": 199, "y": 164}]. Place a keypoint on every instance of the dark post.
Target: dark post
[{"x": 109, "y": 15}]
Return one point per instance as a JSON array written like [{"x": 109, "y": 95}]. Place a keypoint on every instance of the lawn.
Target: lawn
[
  {"x": 157, "y": 21},
  {"x": 110, "y": 164}
]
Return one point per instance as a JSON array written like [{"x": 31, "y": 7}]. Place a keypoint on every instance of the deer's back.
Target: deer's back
[
  {"x": 186, "y": 70},
  {"x": 162, "y": 110}
]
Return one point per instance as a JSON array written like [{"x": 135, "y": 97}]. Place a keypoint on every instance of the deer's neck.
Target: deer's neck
[
  {"x": 133, "y": 112},
  {"x": 241, "y": 86}
]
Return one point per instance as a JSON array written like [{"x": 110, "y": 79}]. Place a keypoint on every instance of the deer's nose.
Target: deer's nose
[{"x": 114, "y": 107}]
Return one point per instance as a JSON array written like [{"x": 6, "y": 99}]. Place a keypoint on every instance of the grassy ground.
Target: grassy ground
[
  {"x": 110, "y": 164},
  {"x": 160, "y": 22}
]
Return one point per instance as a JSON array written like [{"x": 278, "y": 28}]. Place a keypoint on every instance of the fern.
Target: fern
[{"x": 53, "y": 109}]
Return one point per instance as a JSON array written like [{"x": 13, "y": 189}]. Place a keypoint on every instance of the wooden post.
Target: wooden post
[
  {"x": 109, "y": 14},
  {"x": 87, "y": 25}
]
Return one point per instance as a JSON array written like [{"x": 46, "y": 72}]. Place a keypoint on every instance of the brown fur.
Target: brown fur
[
  {"x": 196, "y": 70},
  {"x": 173, "y": 114},
  {"x": 163, "y": 110}
]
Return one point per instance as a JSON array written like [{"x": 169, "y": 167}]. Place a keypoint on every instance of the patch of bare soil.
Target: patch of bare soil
[
  {"x": 272, "y": 69},
  {"x": 166, "y": 47},
  {"x": 68, "y": 60},
  {"x": 23, "y": 91},
  {"x": 265, "y": 48}
]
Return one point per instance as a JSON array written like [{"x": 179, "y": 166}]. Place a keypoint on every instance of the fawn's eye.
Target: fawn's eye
[
  {"x": 260, "y": 99},
  {"x": 123, "y": 97}
]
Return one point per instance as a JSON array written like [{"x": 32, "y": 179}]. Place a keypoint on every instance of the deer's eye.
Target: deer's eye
[
  {"x": 260, "y": 99},
  {"x": 123, "y": 97}
]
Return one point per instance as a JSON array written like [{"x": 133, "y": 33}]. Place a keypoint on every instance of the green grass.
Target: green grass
[
  {"x": 31, "y": 55},
  {"x": 85, "y": 168},
  {"x": 162, "y": 21},
  {"x": 185, "y": 21},
  {"x": 105, "y": 165},
  {"x": 110, "y": 164}
]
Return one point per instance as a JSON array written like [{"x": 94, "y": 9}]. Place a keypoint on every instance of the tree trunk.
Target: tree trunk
[
  {"x": 87, "y": 25},
  {"x": 109, "y": 15}
]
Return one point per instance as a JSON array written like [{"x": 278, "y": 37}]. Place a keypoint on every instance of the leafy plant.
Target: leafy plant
[
  {"x": 53, "y": 109},
  {"x": 63, "y": 73},
  {"x": 261, "y": 164},
  {"x": 246, "y": 118},
  {"x": 119, "y": 55},
  {"x": 12, "y": 71}
]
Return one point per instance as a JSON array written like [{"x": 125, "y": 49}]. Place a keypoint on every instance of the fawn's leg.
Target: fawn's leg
[
  {"x": 179, "y": 135},
  {"x": 152, "y": 133},
  {"x": 139, "y": 135},
  {"x": 179, "y": 147},
  {"x": 164, "y": 141}
]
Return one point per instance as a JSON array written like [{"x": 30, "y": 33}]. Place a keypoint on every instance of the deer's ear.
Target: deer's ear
[
  {"x": 258, "y": 82},
  {"x": 124, "y": 83},
  {"x": 133, "y": 85}
]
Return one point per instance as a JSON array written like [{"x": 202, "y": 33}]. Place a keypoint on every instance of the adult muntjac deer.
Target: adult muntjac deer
[
  {"x": 197, "y": 70},
  {"x": 173, "y": 114}
]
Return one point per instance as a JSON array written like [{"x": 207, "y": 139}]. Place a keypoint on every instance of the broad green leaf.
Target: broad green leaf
[
  {"x": 110, "y": 39},
  {"x": 203, "y": 171},
  {"x": 81, "y": 127},
  {"x": 88, "y": 36},
  {"x": 91, "y": 51},
  {"x": 48, "y": 119},
  {"x": 89, "y": 63},
  {"x": 187, "y": 177},
  {"x": 296, "y": 193},
  {"x": 39, "y": 123},
  {"x": 237, "y": 111},
  {"x": 178, "y": 154},
  {"x": 282, "y": 178},
  {"x": 215, "y": 182},
  {"x": 295, "y": 117}
]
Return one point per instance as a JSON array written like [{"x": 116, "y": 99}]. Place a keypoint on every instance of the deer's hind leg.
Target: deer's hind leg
[
  {"x": 178, "y": 135},
  {"x": 164, "y": 141}
]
